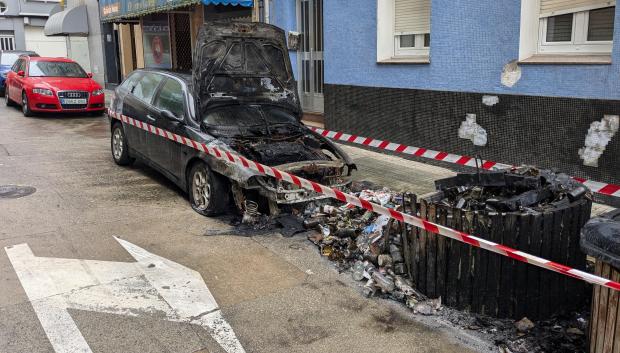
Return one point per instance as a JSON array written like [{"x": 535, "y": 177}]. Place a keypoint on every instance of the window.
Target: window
[
  {"x": 55, "y": 69},
  {"x": 172, "y": 98},
  {"x": 130, "y": 81},
  {"x": 2, "y": 7},
  {"x": 403, "y": 30},
  {"x": 566, "y": 28},
  {"x": 578, "y": 32},
  {"x": 17, "y": 64},
  {"x": 145, "y": 89},
  {"x": 412, "y": 27}
]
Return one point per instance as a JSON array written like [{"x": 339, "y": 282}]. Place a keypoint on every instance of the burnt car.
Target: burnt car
[{"x": 241, "y": 97}]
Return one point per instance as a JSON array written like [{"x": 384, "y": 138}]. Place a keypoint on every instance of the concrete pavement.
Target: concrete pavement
[{"x": 277, "y": 293}]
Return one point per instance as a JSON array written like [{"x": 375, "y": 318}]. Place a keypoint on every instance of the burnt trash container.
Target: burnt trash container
[
  {"x": 538, "y": 212},
  {"x": 600, "y": 238}
]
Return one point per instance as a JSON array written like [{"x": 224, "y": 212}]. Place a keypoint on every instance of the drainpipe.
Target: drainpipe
[{"x": 266, "y": 7}]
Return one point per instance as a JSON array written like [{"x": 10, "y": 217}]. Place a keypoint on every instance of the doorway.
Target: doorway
[{"x": 310, "y": 58}]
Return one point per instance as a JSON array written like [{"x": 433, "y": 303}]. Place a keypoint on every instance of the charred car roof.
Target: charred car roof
[{"x": 245, "y": 63}]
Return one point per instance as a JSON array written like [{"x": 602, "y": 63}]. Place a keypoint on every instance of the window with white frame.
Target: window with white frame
[
  {"x": 577, "y": 26},
  {"x": 403, "y": 30},
  {"x": 412, "y": 22}
]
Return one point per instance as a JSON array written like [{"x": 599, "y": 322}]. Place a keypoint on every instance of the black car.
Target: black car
[{"x": 241, "y": 97}]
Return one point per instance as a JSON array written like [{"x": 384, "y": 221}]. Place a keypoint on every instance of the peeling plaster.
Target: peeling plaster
[
  {"x": 511, "y": 74},
  {"x": 599, "y": 135},
  {"x": 490, "y": 100},
  {"x": 470, "y": 130}
]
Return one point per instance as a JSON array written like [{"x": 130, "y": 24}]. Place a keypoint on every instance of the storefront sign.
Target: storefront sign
[{"x": 156, "y": 36}]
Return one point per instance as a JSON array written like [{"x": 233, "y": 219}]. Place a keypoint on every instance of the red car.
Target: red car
[{"x": 41, "y": 84}]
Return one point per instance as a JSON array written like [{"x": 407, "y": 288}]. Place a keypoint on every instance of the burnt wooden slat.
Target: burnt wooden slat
[
  {"x": 453, "y": 263},
  {"x": 524, "y": 230},
  {"x": 441, "y": 255},
  {"x": 506, "y": 308},
  {"x": 598, "y": 270},
  {"x": 464, "y": 294},
  {"x": 612, "y": 312},
  {"x": 494, "y": 267},
  {"x": 557, "y": 280},
  {"x": 431, "y": 258},
  {"x": 602, "y": 311},
  {"x": 546, "y": 276},
  {"x": 414, "y": 243},
  {"x": 479, "y": 293},
  {"x": 405, "y": 237},
  {"x": 423, "y": 237},
  {"x": 534, "y": 273}
]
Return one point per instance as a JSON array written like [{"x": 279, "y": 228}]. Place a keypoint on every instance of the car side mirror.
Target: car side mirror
[
  {"x": 170, "y": 116},
  {"x": 90, "y": 75},
  {"x": 21, "y": 73}
]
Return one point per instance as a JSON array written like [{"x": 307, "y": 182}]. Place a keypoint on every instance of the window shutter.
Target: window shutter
[
  {"x": 412, "y": 16},
  {"x": 560, "y": 7}
]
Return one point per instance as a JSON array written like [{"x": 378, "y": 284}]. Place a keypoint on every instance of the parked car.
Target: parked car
[
  {"x": 7, "y": 59},
  {"x": 241, "y": 97},
  {"x": 41, "y": 84}
]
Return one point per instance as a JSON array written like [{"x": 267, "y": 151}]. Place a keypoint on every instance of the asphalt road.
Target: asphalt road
[{"x": 276, "y": 293}]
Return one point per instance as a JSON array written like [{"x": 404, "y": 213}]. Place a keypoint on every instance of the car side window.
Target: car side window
[
  {"x": 17, "y": 64},
  {"x": 22, "y": 66},
  {"x": 171, "y": 97},
  {"x": 145, "y": 89},
  {"x": 130, "y": 81}
]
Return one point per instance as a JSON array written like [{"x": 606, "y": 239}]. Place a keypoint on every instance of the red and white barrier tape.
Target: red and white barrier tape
[
  {"x": 595, "y": 186},
  {"x": 241, "y": 161}
]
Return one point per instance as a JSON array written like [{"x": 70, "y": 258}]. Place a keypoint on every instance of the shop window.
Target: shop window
[
  {"x": 565, "y": 28},
  {"x": 403, "y": 30}
]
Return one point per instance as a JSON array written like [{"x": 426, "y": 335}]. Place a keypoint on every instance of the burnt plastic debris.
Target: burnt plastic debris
[
  {"x": 368, "y": 245},
  {"x": 600, "y": 238},
  {"x": 520, "y": 189}
]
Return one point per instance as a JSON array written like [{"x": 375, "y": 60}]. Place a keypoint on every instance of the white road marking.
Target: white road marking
[{"x": 152, "y": 286}]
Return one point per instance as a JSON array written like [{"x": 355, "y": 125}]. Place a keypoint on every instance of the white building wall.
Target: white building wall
[{"x": 43, "y": 45}]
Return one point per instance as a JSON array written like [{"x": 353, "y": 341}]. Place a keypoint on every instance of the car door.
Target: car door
[
  {"x": 137, "y": 105},
  {"x": 19, "y": 81},
  {"x": 11, "y": 80},
  {"x": 172, "y": 100}
]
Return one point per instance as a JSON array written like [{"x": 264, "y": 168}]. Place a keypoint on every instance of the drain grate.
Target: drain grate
[{"x": 15, "y": 191}]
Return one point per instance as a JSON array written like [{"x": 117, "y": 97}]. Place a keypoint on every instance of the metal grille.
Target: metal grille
[
  {"x": 73, "y": 95},
  {"x": 182, "y": 42},
  {"x": 7, "y": 42}
]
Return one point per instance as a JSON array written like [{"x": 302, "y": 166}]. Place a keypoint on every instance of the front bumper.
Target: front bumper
[{"x": 42, "y": 103}]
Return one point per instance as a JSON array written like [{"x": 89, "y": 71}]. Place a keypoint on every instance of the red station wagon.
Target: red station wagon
[{"x": 42, "y": 84}]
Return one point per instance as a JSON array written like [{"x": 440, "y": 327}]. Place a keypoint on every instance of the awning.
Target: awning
[
  {"x": 248, "y": 3},
  {"x": 71, "y": 21}
]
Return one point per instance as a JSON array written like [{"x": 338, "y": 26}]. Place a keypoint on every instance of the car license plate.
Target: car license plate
[{"x": 73, "y": 101}]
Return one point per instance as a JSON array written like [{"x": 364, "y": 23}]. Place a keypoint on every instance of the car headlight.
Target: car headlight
[
  {"x": 43, "y": 91},
  {"x": 98, "y": 92}
]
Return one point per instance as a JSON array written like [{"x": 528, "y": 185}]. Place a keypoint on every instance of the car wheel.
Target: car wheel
[
  {"x": 208, "y": 191},
  {"x": 120, "y": 148},
  {"x": 25, "y": 105},
  {"x": 8, "y": 101}
]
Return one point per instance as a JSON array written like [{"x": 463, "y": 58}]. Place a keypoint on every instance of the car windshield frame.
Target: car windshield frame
[{"x": 80, "y": 70}]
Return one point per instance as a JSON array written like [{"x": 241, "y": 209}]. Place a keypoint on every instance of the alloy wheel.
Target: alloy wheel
[
  {"x": 201, "y": 189},
  {"x": 117, "y": 144}
]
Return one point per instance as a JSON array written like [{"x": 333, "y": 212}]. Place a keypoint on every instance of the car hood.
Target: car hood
[
  {"x": 243, "y": 62},
  {"x": 65, "y": 83}
]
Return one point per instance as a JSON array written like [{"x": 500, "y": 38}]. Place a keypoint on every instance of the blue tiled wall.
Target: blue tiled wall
[{"x": 471, "y": 41}]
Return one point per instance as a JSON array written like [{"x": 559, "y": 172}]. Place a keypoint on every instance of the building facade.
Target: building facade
[
  {"x": 159, "y": 34},
  {"x": 526, "y": 82},
  {"x": 21, "y": 25}
]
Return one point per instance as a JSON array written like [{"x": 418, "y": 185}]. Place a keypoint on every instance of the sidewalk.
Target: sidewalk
[{"x": 404, "y": 175}]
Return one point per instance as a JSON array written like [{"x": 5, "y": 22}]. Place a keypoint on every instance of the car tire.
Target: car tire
[
  {"x": 208, "y": 191},
  {"x": 26, "y": 105},
  {"x": 119, "y": 146},
  {"x": 8, "y": 101}
]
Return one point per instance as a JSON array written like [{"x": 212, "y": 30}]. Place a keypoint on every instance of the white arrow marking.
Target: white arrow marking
[{"x": 153, "y": 285}]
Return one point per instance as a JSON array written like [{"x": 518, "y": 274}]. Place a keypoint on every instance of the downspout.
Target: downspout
[{"x": 266, "y": 7}]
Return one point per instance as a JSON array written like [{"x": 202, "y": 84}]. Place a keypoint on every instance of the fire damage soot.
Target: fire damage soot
[{"x": 15, "y": 191}]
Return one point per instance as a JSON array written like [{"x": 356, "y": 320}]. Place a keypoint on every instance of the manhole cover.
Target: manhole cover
[{"x": 15, "y": 191}]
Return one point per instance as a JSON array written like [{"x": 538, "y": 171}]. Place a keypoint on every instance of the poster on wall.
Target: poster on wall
[{"x": 156, "y": 35}]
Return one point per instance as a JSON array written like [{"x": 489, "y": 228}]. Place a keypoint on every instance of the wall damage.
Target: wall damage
[
  {"x": 511, "y": 74},
  {"x": 599, "y": 135},
  {"x": 470, "y": 130}
]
